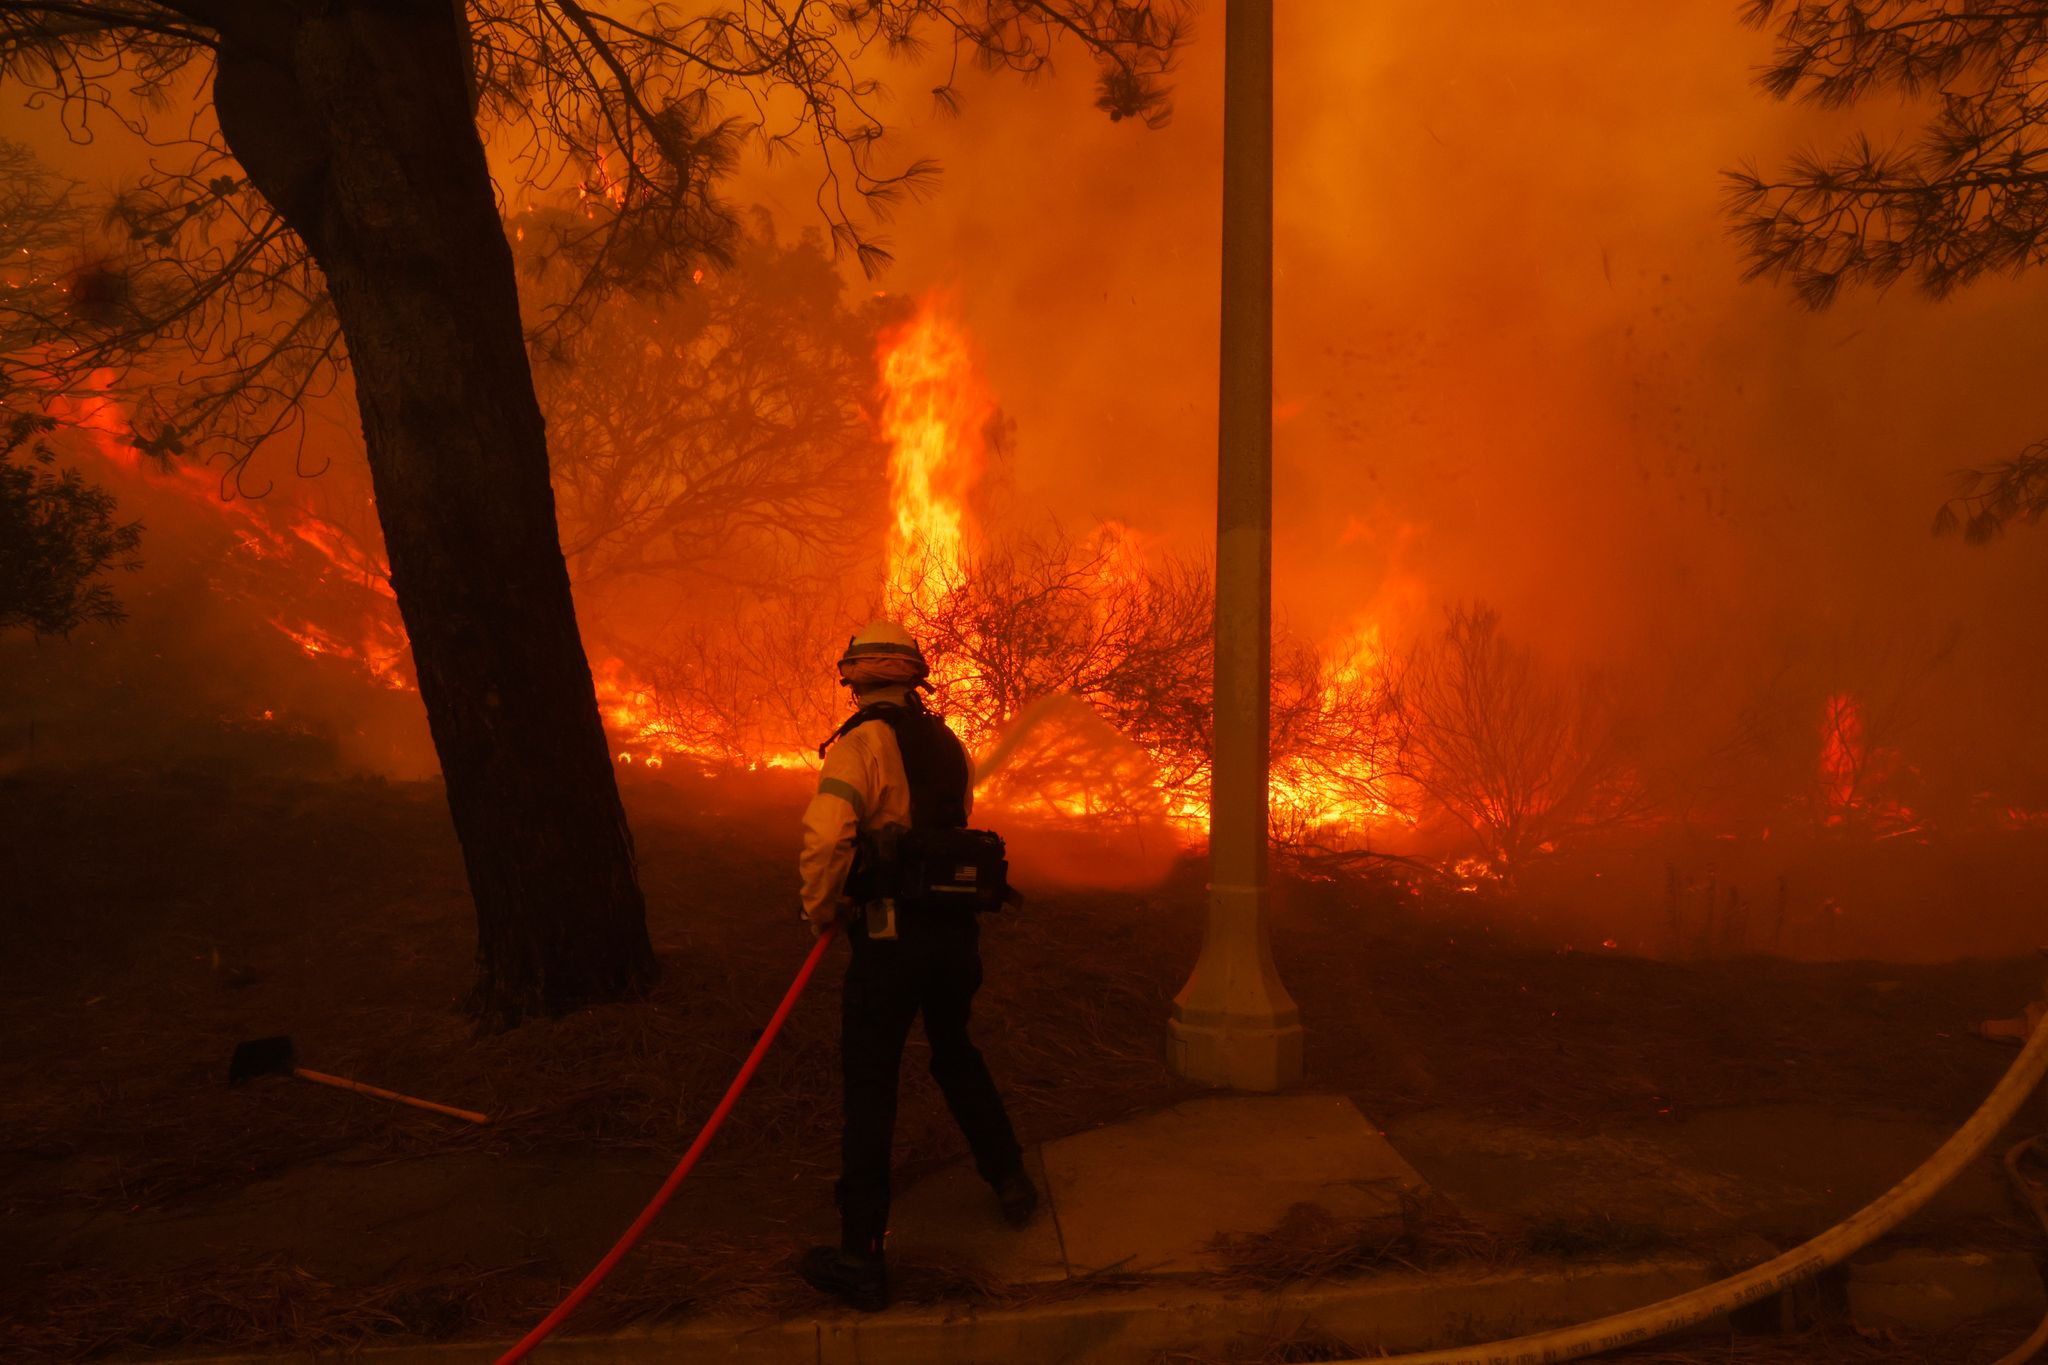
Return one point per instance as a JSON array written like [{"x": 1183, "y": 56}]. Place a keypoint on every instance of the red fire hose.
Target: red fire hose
[{"x": 668, "y": 1188}]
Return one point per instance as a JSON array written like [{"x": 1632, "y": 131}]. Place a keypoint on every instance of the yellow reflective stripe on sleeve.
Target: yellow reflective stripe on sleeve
[{"x": 845, "y": 791}]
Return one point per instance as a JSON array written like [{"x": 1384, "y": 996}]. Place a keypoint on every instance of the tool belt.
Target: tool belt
[{"x": 943, "y": 869}]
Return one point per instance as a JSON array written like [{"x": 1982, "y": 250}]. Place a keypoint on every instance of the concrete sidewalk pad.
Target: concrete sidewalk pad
[
  {"x": 953, "y": 1214},
  {"x": 1150, "y": 1195},
  {"x": 1405, "y": 1312},
  {"x": 1921, "y": 1290}
]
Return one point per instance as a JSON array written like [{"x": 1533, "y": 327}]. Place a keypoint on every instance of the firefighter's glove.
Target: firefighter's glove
[{"x": 835, "y": 912}]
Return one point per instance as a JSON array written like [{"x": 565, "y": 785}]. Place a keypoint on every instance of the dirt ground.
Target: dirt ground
[{"x": 154, "y": 919}]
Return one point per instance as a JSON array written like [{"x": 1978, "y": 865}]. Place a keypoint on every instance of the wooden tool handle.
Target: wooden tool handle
[{"x": 341, "y": 1083}]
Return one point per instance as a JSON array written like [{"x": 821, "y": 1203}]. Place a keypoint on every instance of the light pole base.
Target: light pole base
[
  {"x": 1234, "y": 1024},
  {"x": 1237, "y": 1053}
]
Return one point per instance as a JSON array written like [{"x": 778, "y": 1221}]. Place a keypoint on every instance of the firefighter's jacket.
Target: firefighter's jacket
[{"x": 861, "y": 789}]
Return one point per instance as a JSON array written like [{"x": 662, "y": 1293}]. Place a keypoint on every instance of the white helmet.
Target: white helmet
[{"x": 882, "y": 653}]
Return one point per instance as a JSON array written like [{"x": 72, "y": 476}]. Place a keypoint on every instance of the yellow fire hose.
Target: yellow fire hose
[{"x": 1838, "y": 1243}]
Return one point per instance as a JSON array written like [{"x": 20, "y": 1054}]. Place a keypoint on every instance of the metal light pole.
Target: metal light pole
[{"x": 1234, "y": 1024}]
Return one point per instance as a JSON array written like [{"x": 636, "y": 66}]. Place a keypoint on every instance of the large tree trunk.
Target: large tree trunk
[{"x": 354, "y": 121}]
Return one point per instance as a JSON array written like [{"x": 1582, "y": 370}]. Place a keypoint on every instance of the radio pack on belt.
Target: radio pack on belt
[
  {"x": 937, "y": 862},
  {"x": 960, "y": 868}
]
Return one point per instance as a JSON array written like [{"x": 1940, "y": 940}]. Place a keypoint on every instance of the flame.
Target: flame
[
  {"x": 935, "y": 414},
  {"x": 933, "y": 417},
  {"x": 1335, "y": 794},
  {"x": 601, "y": 183},
  {"x": 1842, "y": 755},
  {"x": 1854, "y": 774},
  {"x": 309, "y": 548}
]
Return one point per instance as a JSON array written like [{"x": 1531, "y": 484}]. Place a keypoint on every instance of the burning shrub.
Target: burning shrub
[
  {"x": 1524, "y": 759},
  {"x": 1007, "y": 621},
  {"x": 1336, "y": 724},
  {"x": 757, "y": 687},
  {"x": 1030, "y": 616},
  {"x": 713, "y": 436},
  {"x": 1094, "y": 619},
  {"x": 1824, "y": 741}
]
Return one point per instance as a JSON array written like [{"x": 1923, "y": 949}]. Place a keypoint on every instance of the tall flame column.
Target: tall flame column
[{"x": 1234, "y": 1024}]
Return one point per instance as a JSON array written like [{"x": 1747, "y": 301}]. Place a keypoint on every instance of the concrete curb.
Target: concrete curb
[
  {"x": 1403, "y": 1312},
  {"x": 1393, "y": 1312}
]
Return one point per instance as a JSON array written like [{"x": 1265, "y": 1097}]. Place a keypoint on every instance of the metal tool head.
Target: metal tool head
[{"x": 261, "y": 1057}]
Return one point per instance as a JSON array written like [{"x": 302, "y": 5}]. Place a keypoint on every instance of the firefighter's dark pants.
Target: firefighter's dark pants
[{"x": 932, "y": 967}]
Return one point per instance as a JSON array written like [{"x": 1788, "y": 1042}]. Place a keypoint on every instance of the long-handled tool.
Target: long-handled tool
[{"x": 275, "y": 1056}]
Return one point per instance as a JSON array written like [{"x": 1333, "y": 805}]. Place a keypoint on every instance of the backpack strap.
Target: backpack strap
[
  {"x": 852, "y": 723},
  {"x": 933, "y": 759},
  {"x": 935, "y": 763}
]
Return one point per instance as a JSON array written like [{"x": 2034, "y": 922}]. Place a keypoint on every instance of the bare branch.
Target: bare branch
[{"x": 200, "y": 314}]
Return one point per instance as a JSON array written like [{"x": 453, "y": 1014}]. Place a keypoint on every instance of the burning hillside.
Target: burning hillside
[
  {"x": 1077, "y": 662},
  {"x": 1572, "y": 567},
  {"x": 1475, "y": 611}
]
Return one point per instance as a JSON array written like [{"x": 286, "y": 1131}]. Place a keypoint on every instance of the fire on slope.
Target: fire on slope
[
  {"x": 1859, "y": 779},
  {"x": 1332, "y": 781},
  {"x": 316, "y": 570},
  {"x": 936, "y": 415}
]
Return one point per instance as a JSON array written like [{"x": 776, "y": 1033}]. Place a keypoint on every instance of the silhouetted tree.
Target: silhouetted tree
[
  {"x": 1968, "y": 198},
  {"x": 1027, "y": 616},
  {"x": 344, "y": 197},
  {"x": 40, "y": 219},
  {"x": 1522, "y": 758},
  {"x": 58, "y": 536},
  {"x": 58, "y": 533},
  {"x": 712, "y": 432}
]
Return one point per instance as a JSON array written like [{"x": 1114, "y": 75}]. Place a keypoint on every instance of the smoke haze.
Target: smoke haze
[{"x": 1516, "y": 359}]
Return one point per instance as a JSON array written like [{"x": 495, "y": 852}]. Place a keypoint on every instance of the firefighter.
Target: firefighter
[{"x": 892, "y": 766}]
